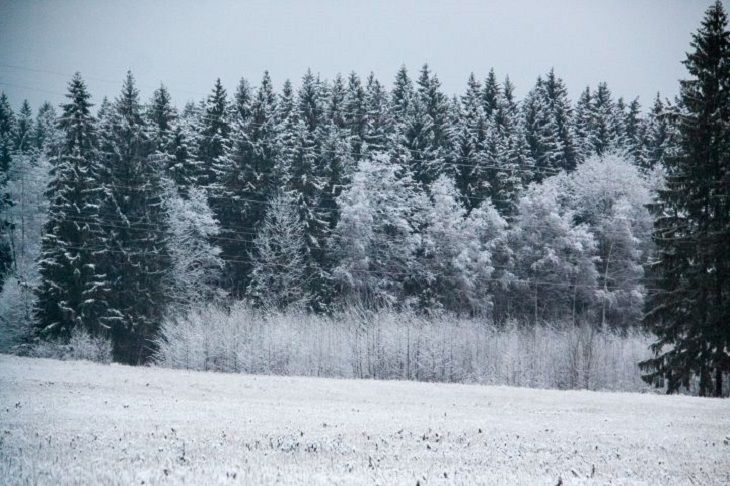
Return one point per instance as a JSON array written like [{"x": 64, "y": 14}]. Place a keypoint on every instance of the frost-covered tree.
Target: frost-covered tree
[
  {"x": 135, "y": 254},
  {"x": 605, "y": 134},
  {"x": 554, "y": 258},
  {"x": 657, "y": 135},
  {"x": 27, "y": 179},
  {"x": 214, "y": 140},
  {"x": 7, "y": 145},
  {"x": 583, "y": 125},
  {"x": 467, "y": 138},
  {"x": 454, "y": 261},
  {"x": 610, "y": 195},
  {"x": 548, "y": 122},
  {"x": 279, "y": 277},
  {"x": 375, "y": 240},
  {"x": 196, "y": 266}
]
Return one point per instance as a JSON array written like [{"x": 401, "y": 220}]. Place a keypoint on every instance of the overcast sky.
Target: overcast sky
[{"x": 635, "y": 45}]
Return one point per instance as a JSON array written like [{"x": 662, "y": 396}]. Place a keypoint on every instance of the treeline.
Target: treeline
[{"x": 341, "y": 193}]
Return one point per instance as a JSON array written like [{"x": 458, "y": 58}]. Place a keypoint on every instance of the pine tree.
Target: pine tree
[
  {"x": 542, "y": 132},
  {"x": 46, "y": 134},
  {"x": 690, "y": 309},
  {"x": 401, "y": 96},
  {"x": 605, "y": 134},
  {"x": 24, "y": 128},
  {"x": 300, "y": 153},
  {"x": 491, "y": 94},
  {"x": 174, "y": 141},
  {"x": 468, "y": 136},
  {"x": 7, "y": 129},
  {"x": 378, "y": 115},
  {"x": 73, "y": 291},
  {"x": 355, "y": 116},
  {"x": 196, "y": 267},
  {"x": 214, "y": 140},
  {"x": 657, "y": 136},
  {"x": 511, "y": 157},
  {"x": 634, "y": 131},
  {"x": 562, "y": 114},
  {"x": 136, "y": 255},
  {"x": 583, "y": 125},
  {"x": 278, "y": 278}
]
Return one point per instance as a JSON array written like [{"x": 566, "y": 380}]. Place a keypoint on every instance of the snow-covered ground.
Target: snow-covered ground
[{"x": 84, "y": 423}]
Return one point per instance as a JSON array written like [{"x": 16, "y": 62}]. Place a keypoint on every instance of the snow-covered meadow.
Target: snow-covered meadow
[{"x": 75, "y": 422}]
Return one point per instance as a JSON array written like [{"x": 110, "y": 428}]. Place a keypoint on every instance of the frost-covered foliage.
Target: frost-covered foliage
[
  {"x": 454, "y": 263},
  {"x": 392, "y": 345},
  {"x": 376, "y": 239},
  {"x": 554, "y": 258},
  {"x": 610, "y": 195},
  {"x": 278, "y": 277},
  {"x": 81, "y": 346},
  {"x": 196, "y": 264},
  {"x": 25, "y": 186}
]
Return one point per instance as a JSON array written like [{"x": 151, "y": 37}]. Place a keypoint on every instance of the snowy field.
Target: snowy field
[{"x": 83, "y": 423}]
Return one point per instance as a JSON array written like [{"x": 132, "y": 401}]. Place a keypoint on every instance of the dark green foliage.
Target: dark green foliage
[
  {"x": 690, "y": 308},
  {"x": 135, "y": 255},
  {"x": 74, "y": 290}
]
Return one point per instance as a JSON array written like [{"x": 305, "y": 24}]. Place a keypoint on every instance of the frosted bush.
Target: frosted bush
[
  {"x": 389, "y": 345},
  {"x": 81, "y": 346}
]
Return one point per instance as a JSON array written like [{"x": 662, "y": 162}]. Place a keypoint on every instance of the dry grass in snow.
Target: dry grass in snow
[{"x": 81, "y": 423}]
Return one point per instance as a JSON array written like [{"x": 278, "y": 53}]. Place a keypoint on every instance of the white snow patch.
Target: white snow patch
[{"x": 81, "y": 423}]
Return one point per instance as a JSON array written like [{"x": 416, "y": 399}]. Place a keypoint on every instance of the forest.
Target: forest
[{"x": 332, "y": 197}]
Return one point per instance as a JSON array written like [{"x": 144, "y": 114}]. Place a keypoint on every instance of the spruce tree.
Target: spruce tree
[
  {"x": 7, "y": 130},
  {"x": 214, "y": 142},
  {"x": 657, "y": 135},
  {"x": 136, "y": 256},
  {"x": 467, "y": 144},
  {"x": 74, "y": 291},
  {"x": 46, "y": 134},
  {"x": 689, "y": 309},
  {"x": 583, "y": 125},
  {"x": 378, "y": 115},
  {"x": 605, "y": 134},
  {"x": 355, "y": 114},
  {"x": 634, "y": 131}
]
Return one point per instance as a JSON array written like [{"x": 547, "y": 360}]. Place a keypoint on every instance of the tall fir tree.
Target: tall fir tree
[
  {"x": 7, "y": 130},
  {"x": 74, "y": 291},
  {"x": 136, "y": 257},
  {"x": 689, "y": 309},
  {"x": 605, "y": 133},
  {"x": 657, "y": 135}
]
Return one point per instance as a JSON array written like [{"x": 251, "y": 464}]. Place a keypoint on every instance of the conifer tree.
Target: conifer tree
[
  {"x": 278, "y": 279},
  {"x": 657, "y": 135},
  {"x": 378, "y": 115},
  {"x": 690, "y": 308},
  {"x": 24, "y": 128},
  {"x": 74, "y": 291},
  {"x": 136, "y": 256},
  {"x": 634, "y": 131},
  {"x": 468, "y": 136},
  {"x": 605, "y": 133},
  {"x": 7, "y": 129},
  {"x": 355, "y": 116},
  {"x": 46, "y": 134},
  {"x": 214, "y": 141},
  {"x": 583, "y": 125}
]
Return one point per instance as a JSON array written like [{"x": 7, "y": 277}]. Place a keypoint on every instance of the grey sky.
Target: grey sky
[{"x": 636, "y": 46}]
